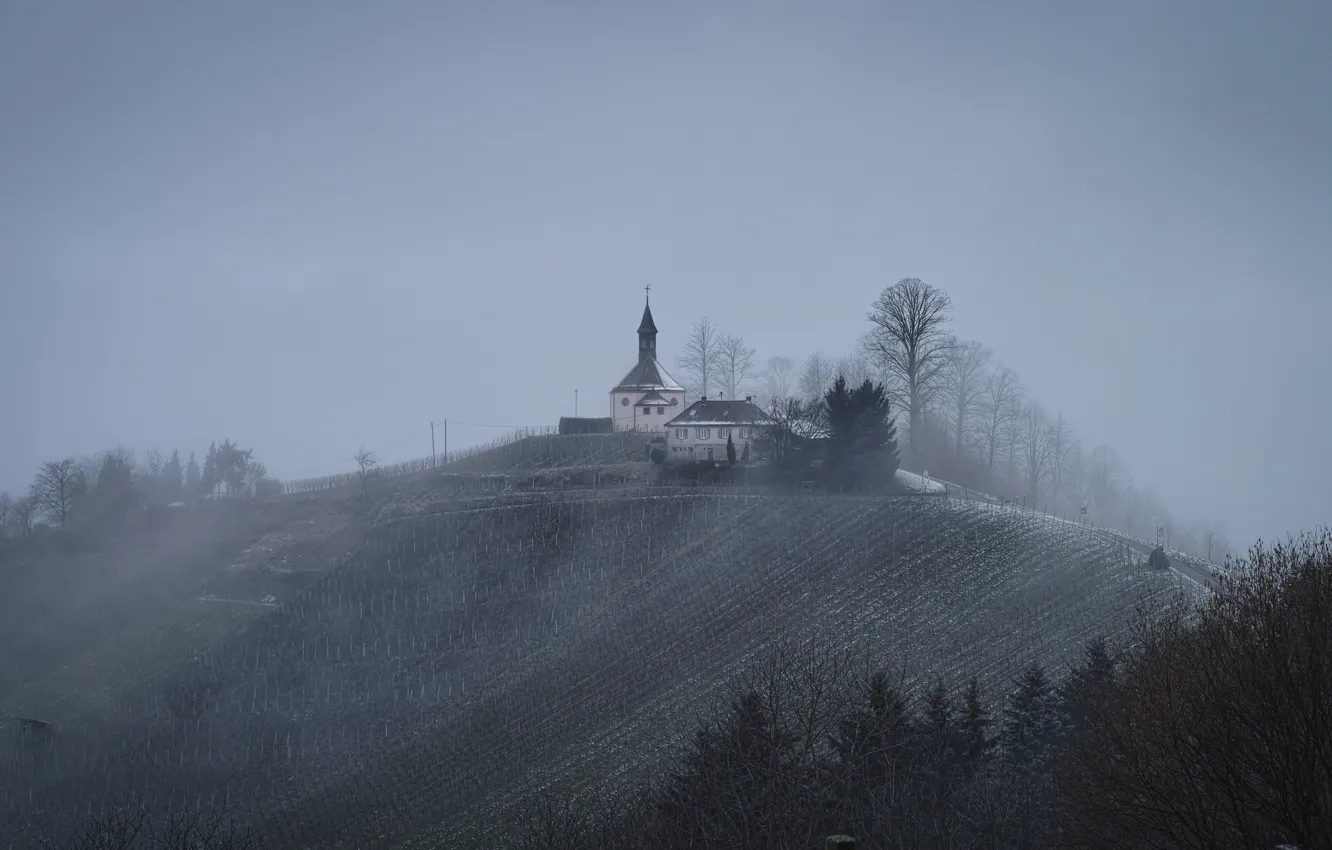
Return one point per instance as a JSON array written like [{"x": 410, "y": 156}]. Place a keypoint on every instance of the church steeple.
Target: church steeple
[{"x": 647, "y": 329}]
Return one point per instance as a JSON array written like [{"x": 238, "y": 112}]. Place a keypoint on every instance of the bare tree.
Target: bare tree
[
  {"x": 1036, "y": 449},
  {"x": 777, "y": 378},
  {"x": 366, "y": 461},
  {"x": 1213, "y": 540},
  {"x": 1075, "y": 474},
  {"x": 1002, "y": 390},
  {"x": 56, "y": 488},
  {"x": 1015, "y": 429},
  {"x": 816, "y": 376},
  {"x": 701, "y": 361},
  {"x": 24, "y": 511},
  {"x": 1062, "y": 446},
  {"x": 6, "y": 511},
  {"x": 1104, "y": 480},
  {"x": 134, "y": 829},
  {"x": 153, "y": 461},
  {"x": 255, "y": 476},
  {"x": 907, "y": 338},
  {"x": 735, "y": 365},
  {"x": 789, "y": 420},
  {"x": 964, "y": 379},
  {"x": 1212, "y": 732},
  {"x": 855, "y": 367}
]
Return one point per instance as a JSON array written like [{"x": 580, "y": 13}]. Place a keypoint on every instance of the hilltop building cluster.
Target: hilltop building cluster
[{"x": 648, "y": 399}]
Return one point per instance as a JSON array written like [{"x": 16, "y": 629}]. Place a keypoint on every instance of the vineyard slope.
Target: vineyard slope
[{"x": 459, "y": 659}]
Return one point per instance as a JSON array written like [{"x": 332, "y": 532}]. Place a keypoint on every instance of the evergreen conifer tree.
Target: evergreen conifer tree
[
  {"x": 211, "y": 478},
  {"x": 193, "y": 478},
  {"x": 172, "y": 477},
  {"x": 872, "y": 741},
  {"x": 976, "y": 723},
  {"x": 1089, "y": 685},
  {"x": 733, "y": 773},
  {"x": 941, "y": 726},
  {"x": 863, "y": 439},
  {"x": 1029, "y": 718}
]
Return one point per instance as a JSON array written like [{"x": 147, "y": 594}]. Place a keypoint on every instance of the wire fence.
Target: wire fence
[
  {"x": 451, "y": 459},
  {"x": 1195, "y": 567}
]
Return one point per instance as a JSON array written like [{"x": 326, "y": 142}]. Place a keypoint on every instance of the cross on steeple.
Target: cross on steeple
[{"x": 647, "y": 292}]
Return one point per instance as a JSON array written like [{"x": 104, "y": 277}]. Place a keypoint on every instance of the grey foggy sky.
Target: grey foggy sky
[{"x": 312, "y": 226}]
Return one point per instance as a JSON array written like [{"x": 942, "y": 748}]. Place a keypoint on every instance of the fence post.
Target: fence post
[{"x": 839, "y": 842}]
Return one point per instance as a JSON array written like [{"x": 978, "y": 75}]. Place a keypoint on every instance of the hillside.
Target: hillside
[
  {"x": 469, "y": 647},
  {"x": 68, "y": 617}
]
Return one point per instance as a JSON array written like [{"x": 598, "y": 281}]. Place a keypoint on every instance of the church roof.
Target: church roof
[
  {"x": 647, "y": 326},
  {"x": 648, "y": 374}
]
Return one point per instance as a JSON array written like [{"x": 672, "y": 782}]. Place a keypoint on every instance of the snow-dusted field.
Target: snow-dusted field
[
  {"x": 460, "y": 660},
  {"x": 920, "y": 484}
]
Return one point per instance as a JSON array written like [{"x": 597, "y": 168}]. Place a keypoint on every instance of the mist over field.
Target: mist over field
[
  {"x": 312, "y": 231},
  {"x": 334, "y": 498}
]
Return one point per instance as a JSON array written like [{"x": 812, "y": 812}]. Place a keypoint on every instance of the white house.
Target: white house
[
  {"x": 647, "y": 397},
  {"x": 699, "y": 433}
]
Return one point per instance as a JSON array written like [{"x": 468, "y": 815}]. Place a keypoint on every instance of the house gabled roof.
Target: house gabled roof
[
  {"x": 648, "y": 374},
  {"x": 724, "y": 412}
]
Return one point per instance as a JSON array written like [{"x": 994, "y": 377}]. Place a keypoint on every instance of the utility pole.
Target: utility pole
[
  {"x": 446, "y": 441},
  {"x": 575, "y": 404},
  {"x": 432, "y": 445}
]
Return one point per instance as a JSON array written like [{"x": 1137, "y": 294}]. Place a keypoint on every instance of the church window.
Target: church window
[{"x": 624, "y": 402}]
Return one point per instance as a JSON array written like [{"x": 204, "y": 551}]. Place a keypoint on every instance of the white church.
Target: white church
[{"x": 648, "y": 397}]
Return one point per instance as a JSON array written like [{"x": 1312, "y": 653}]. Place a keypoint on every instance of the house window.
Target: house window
[
  {"x": 704, "y": 433},
  {"x": 723, "y": 433},
  {"x": 681, "y": 433},
  {"x": 710, "y": 457},
  {"x": 744, "y": 433},
  {"x": 660, "y": 410}
]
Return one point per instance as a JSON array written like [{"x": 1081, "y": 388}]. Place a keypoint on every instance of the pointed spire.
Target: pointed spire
[{"x": 647, "y": 326}]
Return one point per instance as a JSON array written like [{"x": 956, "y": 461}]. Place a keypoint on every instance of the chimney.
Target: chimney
[
  {"x": 704, "y": 398},
  {"x": 749, "y": 399}
]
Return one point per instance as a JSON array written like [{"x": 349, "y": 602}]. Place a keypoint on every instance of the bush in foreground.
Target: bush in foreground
[{"x": 135, "y": 829}]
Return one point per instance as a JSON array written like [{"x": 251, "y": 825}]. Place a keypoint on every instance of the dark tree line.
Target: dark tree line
[
  {"x": 104, "y": 492},
  {"x": 1208, "y": 729}
]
